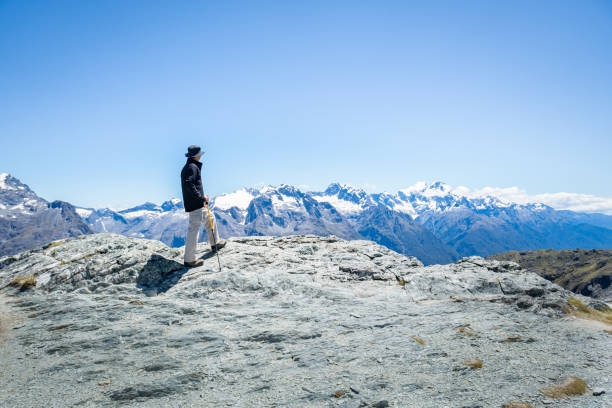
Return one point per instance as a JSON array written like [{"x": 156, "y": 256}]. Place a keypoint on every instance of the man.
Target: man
[{"x": 194, "y": 200}]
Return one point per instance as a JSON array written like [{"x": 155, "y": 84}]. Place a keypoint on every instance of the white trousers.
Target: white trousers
[{"x": 195, "y": 223}]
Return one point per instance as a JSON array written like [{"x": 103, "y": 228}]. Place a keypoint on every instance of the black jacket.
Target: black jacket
[{"x": 191, "y": 184}]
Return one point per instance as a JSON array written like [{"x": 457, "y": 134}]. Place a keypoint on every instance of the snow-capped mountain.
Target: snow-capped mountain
[
  {"x": 416, "y": 201},
  {"x": 28, "y": 221},
  {"x": 385, "y": 219},
  {"x": 279, "y": 210},
  {"x": 432, "y": 221},
  {"x": 17, "y": 199},
  {"x": 482, "y": 225},
  {"x": 165, "y": 222}
]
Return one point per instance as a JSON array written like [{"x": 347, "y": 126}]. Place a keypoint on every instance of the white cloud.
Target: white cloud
[{"x": 558, "y": 201}]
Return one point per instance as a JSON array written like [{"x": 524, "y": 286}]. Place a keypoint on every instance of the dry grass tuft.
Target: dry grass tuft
[
  {"x": 517, "y": 404},
  {"x": 568, "y": 387},
  {"x": 54, "y": 244},
  {"x": 418, "y": 340},
  {"x": 63, "y": 326},
  {"x": 577, "y": 304},
  {"x": 338, "y": 394},
  {"x": 576, "y": 308},
  {"x": 23, "y": 282},
  {"x": 465, "y": 331},
  {"x": 476, "y": 363}
]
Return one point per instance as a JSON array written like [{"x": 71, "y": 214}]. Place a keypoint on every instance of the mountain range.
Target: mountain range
[{"x": 431, "y": 221}]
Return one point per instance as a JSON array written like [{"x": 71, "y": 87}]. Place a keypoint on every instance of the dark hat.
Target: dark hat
[{"x": 193, "y": 151}]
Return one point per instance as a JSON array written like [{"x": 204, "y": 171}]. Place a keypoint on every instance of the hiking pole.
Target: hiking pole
[{"x": 212, "y": 228}]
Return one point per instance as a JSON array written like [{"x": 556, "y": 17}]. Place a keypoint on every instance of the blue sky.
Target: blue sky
[{"x": 99, "y": 100}]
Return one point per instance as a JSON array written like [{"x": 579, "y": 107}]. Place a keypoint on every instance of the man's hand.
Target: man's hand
[{"x": 206, "y": 199}]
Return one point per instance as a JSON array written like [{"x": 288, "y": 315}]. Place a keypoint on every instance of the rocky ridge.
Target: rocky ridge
[{"x": 106, "y": 320}]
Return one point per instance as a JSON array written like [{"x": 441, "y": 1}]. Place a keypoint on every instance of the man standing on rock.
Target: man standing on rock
[{"x": 194, "y": 200}]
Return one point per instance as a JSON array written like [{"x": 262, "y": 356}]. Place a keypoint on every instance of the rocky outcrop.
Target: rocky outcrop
[
  {"x": 106, "y": 320},
  {"x": 588, "y": 272},
  {"x": 101, "y": 262}
]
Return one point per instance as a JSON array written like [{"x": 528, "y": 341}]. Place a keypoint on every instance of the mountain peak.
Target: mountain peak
[
  {"x": 439, "y": 185},
  {"x": 435, "y": 189},
  {"x": 285, "y": 189},
  {"x": 345, "y": 191},
  {"x": 148, "y": 206},
  {"x": 8, "y": 182},
  {"x": 172, "y": 204}
]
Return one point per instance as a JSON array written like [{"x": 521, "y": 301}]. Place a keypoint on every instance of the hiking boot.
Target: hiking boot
[
  {"x": 219, "y": 245},
  {"x": 199, "y": 262}
]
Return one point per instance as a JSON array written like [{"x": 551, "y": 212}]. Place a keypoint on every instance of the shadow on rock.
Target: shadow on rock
[
  {"x": 159, "y": 274},
  {"x": 208, "y": 255}
]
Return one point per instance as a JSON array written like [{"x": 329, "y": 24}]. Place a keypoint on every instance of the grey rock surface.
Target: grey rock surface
[{"x": 295, "y": 321}]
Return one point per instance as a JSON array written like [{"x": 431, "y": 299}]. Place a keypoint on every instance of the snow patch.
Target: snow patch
[
  {"x": 139, "y": 214},
  {"x": 266, "y": 189},
  {"x": 241, "y": 199},
  {"x": 83, "y": 213},
  {"x": 342, "y": 206},
  {"x": 3, "y": 184},
  {"x": 283, "y": 202},
  {"x": 406, "y": 208},
  {"x": 21, "y": 208}
]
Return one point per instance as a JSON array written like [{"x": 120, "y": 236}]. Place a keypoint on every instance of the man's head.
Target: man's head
[{"x": 194, "y": 152}]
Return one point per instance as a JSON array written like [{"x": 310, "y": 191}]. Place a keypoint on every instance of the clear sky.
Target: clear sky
[{"x": 99, "y": 99}]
